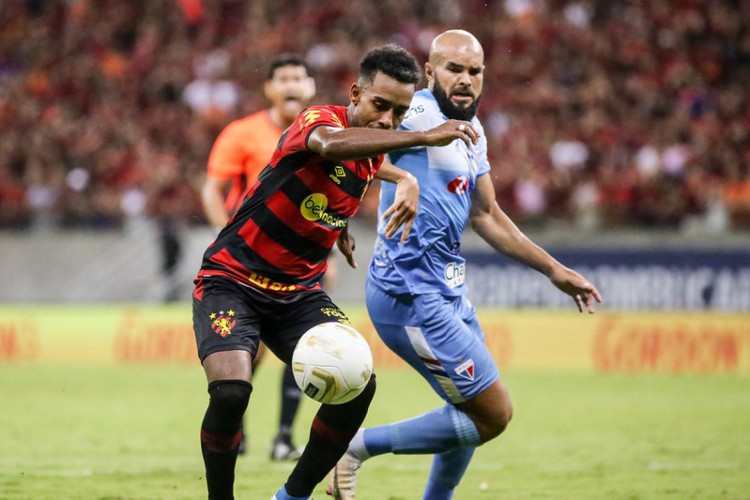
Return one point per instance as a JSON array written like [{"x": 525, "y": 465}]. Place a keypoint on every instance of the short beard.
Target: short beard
[{"x": 451, "y": 110}]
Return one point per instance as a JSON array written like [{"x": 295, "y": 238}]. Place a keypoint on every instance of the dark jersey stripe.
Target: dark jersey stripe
[
  {"x": 324, "y": 234},
  {"x": 275, "y": 229},
  {"x": 235, "y": 264},
  {"x": 294, "y": 267},
  {"x": 272, "y": 178},
  {"x": 347, "y": 181}
]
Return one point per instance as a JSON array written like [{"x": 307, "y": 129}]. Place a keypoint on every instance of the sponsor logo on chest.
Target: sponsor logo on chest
[
  {"x": 459, "y": 185},
  {"x": 314, "y": 208},
  {"x": 455, "y": 274}
]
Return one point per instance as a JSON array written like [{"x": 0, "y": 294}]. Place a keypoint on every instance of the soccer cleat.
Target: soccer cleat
[
  {"x": 343, "y": 479},
  {"x": 283, "y": 450}
]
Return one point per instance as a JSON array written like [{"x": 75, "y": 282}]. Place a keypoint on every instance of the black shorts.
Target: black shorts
[{"x": 230, "y": 317}]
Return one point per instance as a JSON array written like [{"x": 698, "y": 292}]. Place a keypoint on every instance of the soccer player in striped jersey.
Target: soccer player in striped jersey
[
  {"x": 260, "y": 278},
  {"x": 416, "y": 291},
  {"x": 239, "y": 154}
]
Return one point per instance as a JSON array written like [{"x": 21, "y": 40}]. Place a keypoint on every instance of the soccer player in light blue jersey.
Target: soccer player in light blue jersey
[{"x": 416, "y": 295}]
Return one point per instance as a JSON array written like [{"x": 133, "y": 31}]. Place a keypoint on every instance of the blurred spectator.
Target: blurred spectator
[
  {"x": 210, "y": 95},
  {"x": 600, "y": 114}
]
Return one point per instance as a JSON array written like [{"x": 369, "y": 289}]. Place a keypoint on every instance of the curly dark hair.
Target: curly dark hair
[{"x": 392, "y": 60}]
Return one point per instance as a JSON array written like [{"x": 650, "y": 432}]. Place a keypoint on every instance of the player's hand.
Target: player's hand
[
  {"x": 346, "y": 244},
  {"x": 404, "y": 208},
  {"x": 449, "y": 131},
  {"x": 584, "y": 293}
]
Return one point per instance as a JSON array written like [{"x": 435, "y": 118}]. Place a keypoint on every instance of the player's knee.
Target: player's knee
[
  {"x": 369, "y": 391},
  {"x": 229, "y": 398},
  {"x": 496, "y": 421},
  {"x": 361, "y": 403},
  {"x": 349, "y": 415}
]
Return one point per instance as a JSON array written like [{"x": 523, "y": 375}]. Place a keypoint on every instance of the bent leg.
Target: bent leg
[
  {"x": 332, "y": 429},
  {"x": 441, "y": 339},
  {"x": 446, "y": 472},
  {"x": 333, "y": 425},
  {"x": 490, "y": 411},
  {"x": 436, "y": 431}
]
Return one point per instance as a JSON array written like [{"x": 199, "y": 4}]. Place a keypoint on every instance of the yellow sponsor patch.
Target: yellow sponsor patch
[{"x": 313, "y": 208}]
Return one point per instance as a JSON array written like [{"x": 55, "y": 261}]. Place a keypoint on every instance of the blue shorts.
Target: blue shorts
[{"x": 437, "y": 335}]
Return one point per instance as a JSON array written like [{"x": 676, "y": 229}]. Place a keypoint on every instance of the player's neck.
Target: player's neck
[{"x": 278, "y": 119}]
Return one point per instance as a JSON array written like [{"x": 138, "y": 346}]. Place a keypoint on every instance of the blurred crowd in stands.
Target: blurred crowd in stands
[{"x": 599, "y": 114}]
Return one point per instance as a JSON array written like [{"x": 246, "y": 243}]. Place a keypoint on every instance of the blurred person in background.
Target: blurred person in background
[
  {"x": 239, "y": 154},
  {"x": 210, "y": 94}
]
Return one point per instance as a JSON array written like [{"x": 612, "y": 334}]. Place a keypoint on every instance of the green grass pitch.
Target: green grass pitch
[{"x": 131, "y": 432}]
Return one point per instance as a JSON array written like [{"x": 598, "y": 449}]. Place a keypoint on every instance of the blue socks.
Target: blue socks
[
  {"x": 446, "y": 432},
  {"x": 283, "y": 495},
  {"x": 437, "y": 431},
  {"x": 447, "y": 470}
]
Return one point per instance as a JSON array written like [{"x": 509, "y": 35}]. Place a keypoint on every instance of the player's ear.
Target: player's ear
[
  {"x": 429, "y": 73},
  {"x": 355, "y": 93}
]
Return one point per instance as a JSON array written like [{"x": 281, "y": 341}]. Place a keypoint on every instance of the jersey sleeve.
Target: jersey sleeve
[
  {"x": 307, "y": 121},
  {"x": 483, "y": 162},
  {"x": 226, "y": 158}
]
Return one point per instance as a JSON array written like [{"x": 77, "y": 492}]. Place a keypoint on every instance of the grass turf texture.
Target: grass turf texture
[{"x": 132, "y": 433}]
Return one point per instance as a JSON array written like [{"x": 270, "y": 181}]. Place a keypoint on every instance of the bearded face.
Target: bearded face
[{"x": 450, "y": 108}]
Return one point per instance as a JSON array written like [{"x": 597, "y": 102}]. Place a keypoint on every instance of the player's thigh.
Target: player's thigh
[
  {"x": 434, "y": 335},
  {"x": 226, "y": 327},
  {"x": 295, "y": 316}
]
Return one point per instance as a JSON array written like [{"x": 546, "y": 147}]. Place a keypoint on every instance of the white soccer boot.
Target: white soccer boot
[{"x": 343, "y": 478}]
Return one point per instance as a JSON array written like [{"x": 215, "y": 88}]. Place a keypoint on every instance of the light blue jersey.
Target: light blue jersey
[
  {"x": 415, "y": 292},
  {"x": 430, "y": 261}
]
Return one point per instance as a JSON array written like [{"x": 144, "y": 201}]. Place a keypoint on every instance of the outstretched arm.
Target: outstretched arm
[
  {"x": 496, "y": 228},
  {"x": 359, "y": 142}
]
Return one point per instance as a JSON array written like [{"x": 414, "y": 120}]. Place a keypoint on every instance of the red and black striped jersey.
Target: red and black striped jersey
[{"x": 280, "y": 237}]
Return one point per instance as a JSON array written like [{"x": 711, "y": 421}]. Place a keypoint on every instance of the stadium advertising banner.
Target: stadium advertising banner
[
  {"x": 629, "y": 280},
  {"x": 627, "y": 342}
]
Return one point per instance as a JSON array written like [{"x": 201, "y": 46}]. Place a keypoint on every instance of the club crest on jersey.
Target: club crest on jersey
[
  {"x": 459, "y": 185},
  {"x": 466, "y": 370},
  {"x": 223, "y": 322}
]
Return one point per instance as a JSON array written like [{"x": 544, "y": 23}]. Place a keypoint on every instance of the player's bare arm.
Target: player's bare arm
[
  {"x": 212, "y": 196},
  {"x": 492, "y": 224},
  {"x": 364, "y": 142},
  {"x": 404, "y": 208}
]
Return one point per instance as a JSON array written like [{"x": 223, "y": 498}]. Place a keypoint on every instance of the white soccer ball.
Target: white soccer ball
[{"x": 332, "y": 363}]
